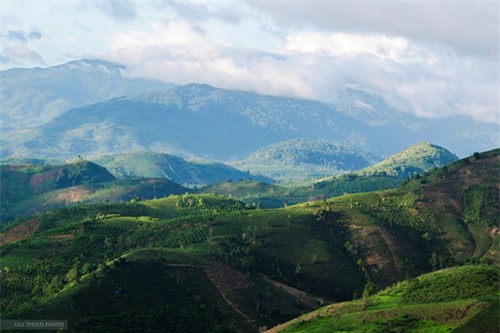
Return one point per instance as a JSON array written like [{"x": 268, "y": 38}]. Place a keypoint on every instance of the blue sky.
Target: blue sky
[{"x": 430, "y": 58}]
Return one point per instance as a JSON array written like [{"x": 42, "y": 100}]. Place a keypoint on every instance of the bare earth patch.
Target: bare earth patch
[{"x": 19, "y": 232}]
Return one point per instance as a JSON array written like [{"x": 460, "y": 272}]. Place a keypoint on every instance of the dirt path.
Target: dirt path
[
  {"x": 312, "y": 301},
  {"x": 220, "y": 274}
]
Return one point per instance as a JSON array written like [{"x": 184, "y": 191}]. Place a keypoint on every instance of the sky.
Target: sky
[{"x": 434, "y": 59}]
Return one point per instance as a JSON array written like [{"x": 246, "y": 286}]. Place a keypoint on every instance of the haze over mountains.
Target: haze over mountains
[
  {"x": 199, "y": 120},
  {"x": 32, "y": 96}
]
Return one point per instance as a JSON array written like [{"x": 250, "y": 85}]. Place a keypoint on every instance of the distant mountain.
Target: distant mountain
[
  {"x": 198, "y": 120},
  {"x": 188, "y": 120},
  {"x": 415, "y": 159},
  {"x": 30, "y": 97},
  {"x": 399, "y": 129},
  {"x": 305, "y": 159},
  {"x": 157, "y": 165}
]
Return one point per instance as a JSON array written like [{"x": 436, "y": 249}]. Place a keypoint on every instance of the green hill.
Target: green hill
[
  {"x": 412, "y": 160},
  {"x": 33, "y": 188},
  {"x": 21, "y": 181},
  {"x": 157, "y": 165},
  {"x": 461, "y": 299},
  {"x": 304, "y": 159},
  {"x": 248, "y": 268}
]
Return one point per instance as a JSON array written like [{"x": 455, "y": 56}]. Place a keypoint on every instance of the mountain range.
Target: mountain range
[
  {"x": 33, "y": 96},
  {"x": 198, "y": 120}
]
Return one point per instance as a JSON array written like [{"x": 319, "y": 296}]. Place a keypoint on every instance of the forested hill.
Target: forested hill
[
  {"x": 158, "y": 165},
  {"x": 415, "y": 159},
  {"x": 214, "y": 263},
  {"x": 305, "y": 159}
]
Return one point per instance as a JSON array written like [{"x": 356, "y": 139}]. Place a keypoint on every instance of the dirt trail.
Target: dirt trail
[
  {"x": 226, "y": 279},
  {"x": 312, "y": 301}
]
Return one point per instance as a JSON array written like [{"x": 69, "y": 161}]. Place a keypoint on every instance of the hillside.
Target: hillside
[
  {"x": 33, "y": 96},
  {"x": 413, "y": 160},
  {"x": 157, "y": 165},
  {"x": 462, "y": 299},
  {"x": 32, "y": 188},
  {"x": 304, "y": 159},
  {"x": 276, "y": 196},
  {"x": 247, "y": 267},
  {"x": 19, "y": 181}
]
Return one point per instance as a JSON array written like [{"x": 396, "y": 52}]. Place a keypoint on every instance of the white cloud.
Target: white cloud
[
  {"x": 470, "y": 27},
  {"x": 429, "y": 80},
  {"x": 160, "y": 33}
]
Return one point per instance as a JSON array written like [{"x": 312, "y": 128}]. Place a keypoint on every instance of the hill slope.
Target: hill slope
[
  {"x": 33, "y": 188},
  {"x": 462, "y": 299},
  {"x": 304, "y": 159},
  {"x": 157, "y": 165},
  {"x": 282, "y": 261}
]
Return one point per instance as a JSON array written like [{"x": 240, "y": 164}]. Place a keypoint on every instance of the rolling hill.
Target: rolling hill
[
  {"x": 304, "y": 159},
  {"x": 415, "y": 159},
  {"x": 247, "y": 267},
  {"x": 157, "y": 165},
  {"x": 34, "y": 188}
]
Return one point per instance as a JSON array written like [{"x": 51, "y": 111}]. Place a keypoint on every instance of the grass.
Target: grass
[{"x": 426, "y": 304}]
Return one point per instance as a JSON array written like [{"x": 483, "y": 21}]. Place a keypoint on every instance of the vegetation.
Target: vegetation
[
  {"x": 34, "y": 188},
  {"x": 232, "y": 266},
  {"x": 413, "y": 160},
  {"x": 450, "y": 299},
  {"x": 304, "y": 159},
  {"x": 156, "y": 165}
]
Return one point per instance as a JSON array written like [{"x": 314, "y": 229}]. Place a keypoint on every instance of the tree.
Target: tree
[
  {"x": 369, "y": 289},
  {"x": 433, "y": 261},
  {"x": 73, "y": 274}
]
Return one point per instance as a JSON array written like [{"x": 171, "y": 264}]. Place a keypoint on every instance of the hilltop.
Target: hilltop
[
  {"x": 304, "y": 159},
  {"x": 246, "y": 267},
  {"x": 413, "y": 160}
]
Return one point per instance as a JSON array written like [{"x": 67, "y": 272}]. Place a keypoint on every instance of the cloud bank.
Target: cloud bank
[
  {"x": 434, "y": 59},
  {"x": 428, "y": 79}
]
